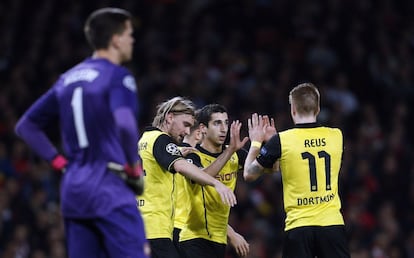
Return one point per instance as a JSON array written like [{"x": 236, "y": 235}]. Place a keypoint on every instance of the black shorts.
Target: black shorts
[
  {"x": 316, "y": 241},
  {"x": 202, "y": 248},
  {"x": 163, "y": 248},
  {"x": 176, "y": 239}
]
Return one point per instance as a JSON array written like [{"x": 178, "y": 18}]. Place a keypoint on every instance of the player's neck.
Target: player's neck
[
  {"x": 191, "y": 141},
  {"x": 211, "y": 147},
  {"x": 107, "y": 54},
  {"x": 304, "y": 119}
]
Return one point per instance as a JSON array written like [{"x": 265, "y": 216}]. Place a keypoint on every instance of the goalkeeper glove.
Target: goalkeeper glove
[
  {"x": 133, "y": 176},
  {"x": 59, "y": 163}
]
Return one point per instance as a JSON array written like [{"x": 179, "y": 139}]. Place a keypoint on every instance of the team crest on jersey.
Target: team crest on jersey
[
  {"x": 172, "y": 149},
  {"x": 129, "y": 82}
]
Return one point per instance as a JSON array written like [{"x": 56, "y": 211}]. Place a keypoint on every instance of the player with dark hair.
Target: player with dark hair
[
  {"x": 206, "y": 231},
  {"x": 310, "y": 159},
  {"x": 162, "y": 159},
  {"x": 95, "y": 103}
]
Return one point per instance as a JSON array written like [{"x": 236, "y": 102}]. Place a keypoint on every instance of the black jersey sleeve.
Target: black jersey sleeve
[
  {"x": 195, "y": 159},
  {"x": 270, "y": 152},
  {"x": 166, "y": 152}
]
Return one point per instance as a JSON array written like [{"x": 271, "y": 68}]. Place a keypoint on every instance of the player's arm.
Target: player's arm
[
  {"x": 125, "y": 121},
  {"x": 127, "y": 128},
  {"x": 234, "y": 145},
  {"x": 30, "y": 128},
  {"x": 238, "y": 242},
  {"x": 194, "y": 173},
  {"x": 168, "y": 155},
  {"x": 123, "y": 103},
  {"x": 252, "y": 169},
  {"x": 261, "y": 128}
]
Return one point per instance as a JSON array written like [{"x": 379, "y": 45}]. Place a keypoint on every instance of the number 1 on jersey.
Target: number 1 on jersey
[{"x": 77, "y": 107}]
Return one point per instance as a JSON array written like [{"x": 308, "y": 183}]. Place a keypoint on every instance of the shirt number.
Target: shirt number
[
  {"x": 77, "y": 107},
  {"x": 312, "y": 169}
]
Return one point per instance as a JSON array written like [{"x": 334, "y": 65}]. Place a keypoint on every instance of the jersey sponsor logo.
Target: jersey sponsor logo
[
  {"x": 81, "y": 75},
  {"x": 129, "y": 82},
  {"x": 315, "y": 200},
  {"x": 226, "y": 177},
  {"x": 173, "y": 149},
  {"x": 319, "y": 142}
]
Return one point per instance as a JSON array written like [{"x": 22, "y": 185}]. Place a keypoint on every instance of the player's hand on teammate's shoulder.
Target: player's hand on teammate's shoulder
[{"x": 187, "y": 150}]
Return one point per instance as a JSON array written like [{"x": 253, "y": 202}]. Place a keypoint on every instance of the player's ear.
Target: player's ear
[
  {"x": 169, "y": 117},
  {"x": 115, "y": 40},
  {"x": 292, "y": 109},
  {"x": 203, "y": 128},
  {"x": 317, "y": 111}
]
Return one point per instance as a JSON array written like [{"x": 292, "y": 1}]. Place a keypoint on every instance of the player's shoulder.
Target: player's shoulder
[
  {"x": 100, "y": 65},
  {"x": 334, "y": 130},
  {"x": 155, "y": 135},
  {"x": 125, "y": 77}
]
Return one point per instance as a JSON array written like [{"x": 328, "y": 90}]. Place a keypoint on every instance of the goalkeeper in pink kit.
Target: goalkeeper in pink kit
[{"x": 95, "y": 103}]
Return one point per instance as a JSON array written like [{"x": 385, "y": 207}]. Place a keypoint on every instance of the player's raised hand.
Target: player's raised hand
[
  {"x": 269, "y": 127},
  {"x": 235, "y": 143},
  {"x": 256, "y": 128}
]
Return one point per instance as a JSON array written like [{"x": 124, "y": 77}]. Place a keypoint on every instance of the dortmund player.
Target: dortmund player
[
  {"x": 161, "y": 159},
  {"x": 310, "y": 159},
  {"x": 206, "y": 231}
]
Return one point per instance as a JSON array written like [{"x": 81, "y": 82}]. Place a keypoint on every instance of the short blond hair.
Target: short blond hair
[
  {"x": 176, "y": 105},
  {"x": 306, "y": 98}
]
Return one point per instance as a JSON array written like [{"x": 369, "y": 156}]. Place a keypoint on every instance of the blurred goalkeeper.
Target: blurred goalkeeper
[{"x": 95, "y": 103}]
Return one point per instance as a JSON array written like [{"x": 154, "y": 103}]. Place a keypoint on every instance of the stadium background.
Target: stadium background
[{"x": 246, "y": 55}]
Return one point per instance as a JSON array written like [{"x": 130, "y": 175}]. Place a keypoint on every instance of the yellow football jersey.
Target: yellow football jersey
[
  {"x": 157, "y": 204},
  {"x": 208, "y": 215},
  {"x": 182, "y": 203},
  {"x": 310, "y": 163}
]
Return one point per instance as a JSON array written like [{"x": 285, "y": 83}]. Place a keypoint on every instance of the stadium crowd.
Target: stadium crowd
[{"x": 246, "y": 55}]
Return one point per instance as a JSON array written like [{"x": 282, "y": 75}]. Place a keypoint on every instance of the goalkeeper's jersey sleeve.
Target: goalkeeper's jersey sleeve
[
  {"x": 157, "y": 204},
  {"x": 310, "y": 159}
]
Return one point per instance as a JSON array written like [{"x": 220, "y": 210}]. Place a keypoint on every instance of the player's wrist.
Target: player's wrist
[
  {"x": 134, "y": 171},
  {"x": 256, "y": 144}
]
